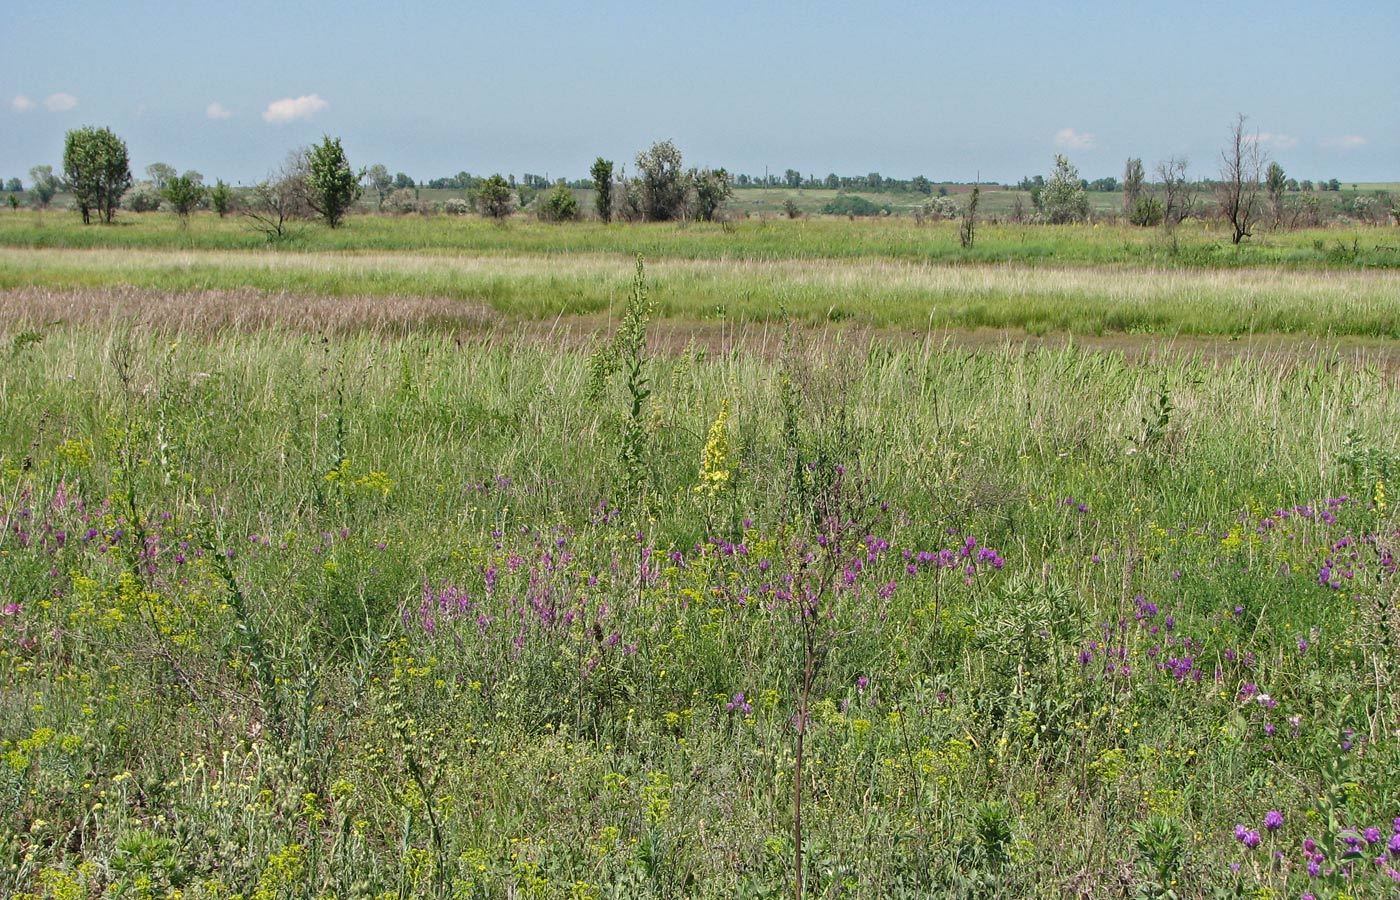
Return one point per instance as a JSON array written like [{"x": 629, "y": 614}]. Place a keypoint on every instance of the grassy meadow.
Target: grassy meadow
[{"x": 429, "y": 559}]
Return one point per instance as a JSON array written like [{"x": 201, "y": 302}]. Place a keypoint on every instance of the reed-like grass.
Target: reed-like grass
[{"x": 873, "y": 293}]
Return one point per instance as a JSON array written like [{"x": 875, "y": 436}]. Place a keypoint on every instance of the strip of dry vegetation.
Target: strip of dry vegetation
[
  {"x": 237, "y": 310},
  {"x": 877, "y": 293}
]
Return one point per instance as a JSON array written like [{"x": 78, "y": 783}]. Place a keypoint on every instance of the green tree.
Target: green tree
[
  {"x": 332, "y": 187},
  {"x": 712, "y": 188},
  {"x": 159, "y": 174},
  {"x": 97, "y": 169},
  {"x": 921, "y": 185},
  {"x": 1133, "y": 179},
  {"x": 45, "y": 185},
  {"x": 561, "y": 205},
  {"x": 1276, "y": 182},
  {"x": 381, "y": 182},
  {"x": 663, "y": 183},
  {"x": 494, "y": 198},
  {"x": 221, "y": 198},
  {"x": 602, "y": 175},
  {"x": 14, "y": 185},
  {"x": 1148, "y": 211},
  {"x": 183, "y": 193},
  {"x": 1063, "y": 199}
]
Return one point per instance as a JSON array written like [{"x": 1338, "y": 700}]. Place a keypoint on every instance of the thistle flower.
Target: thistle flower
[{"x": 1273, "y": 820}]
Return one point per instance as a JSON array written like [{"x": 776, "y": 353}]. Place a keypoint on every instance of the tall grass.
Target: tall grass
[
  {"x": 374, "y": 616},
  {"x": 872, "y": 293}
]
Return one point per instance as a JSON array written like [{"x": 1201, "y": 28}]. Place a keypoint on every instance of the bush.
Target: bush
[
  {"x": 712, "y": 188},
  {"x": 221, "y": 198},
  {"x": 494, "y": 198},
  {"x": 560, "y": 206},
  {"x": 791, "y": 209},
  {"x": 184, "y": 193},
  {"x": 142, "y": 198},
  {"x": 942, "y": 207},
  {"x": 1146, "y": 212},
  {"x": 1063, "y": 199},
  {"x": 456, "y": 206},
  {"x": 402, "y": 202},
  {"x": 851, "y": 205},
  {"x": 664, "y": 187}
]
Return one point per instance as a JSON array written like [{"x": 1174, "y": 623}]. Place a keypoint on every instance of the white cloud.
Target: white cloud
[
  {"x": 217, "y": 110},
  {"x": 21, "y": 103},
  {"x": 60, "y": 102},
  {"x": 289, "y": 109},
  {"x": 1069, "y": 139},
  {"x": 1276, "y": 141},
  {"x": 1345, "y": 142}
]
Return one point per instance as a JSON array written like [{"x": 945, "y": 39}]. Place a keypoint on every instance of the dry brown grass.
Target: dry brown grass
[
  {"x": 237, "y": 310},
  {"x": 212, "y": 311},
  {"x": 1139, "y": 285}
]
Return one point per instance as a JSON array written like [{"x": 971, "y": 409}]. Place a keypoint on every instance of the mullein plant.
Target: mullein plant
[{"x": 627, "y": 352}]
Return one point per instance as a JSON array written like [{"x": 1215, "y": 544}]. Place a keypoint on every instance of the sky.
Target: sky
[{"x": 952, "y": 91}]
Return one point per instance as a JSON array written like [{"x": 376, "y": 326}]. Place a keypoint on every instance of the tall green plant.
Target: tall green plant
[
  {"x": 332, "y": 187},
  {"x": 602, "y": 174},
  {"x": 627, "y": 352}
]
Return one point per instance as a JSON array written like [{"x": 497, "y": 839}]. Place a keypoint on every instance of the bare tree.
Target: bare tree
[
  {"x": 1241, "y": 166},
  {"x": 1178, "y": 194},
  {"x": 276, "y": 201}
]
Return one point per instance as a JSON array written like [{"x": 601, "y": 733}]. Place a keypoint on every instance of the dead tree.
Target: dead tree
[{"x": 1241, "y": 165}]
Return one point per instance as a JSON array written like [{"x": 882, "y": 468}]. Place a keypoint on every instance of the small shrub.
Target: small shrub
[
  {"x": 184, "y": 193},
  {"x": 221, "y": 198},
  {"x": 1146, "y": 212},
  {"x": 456, "y": 206},
  {"x": 402, "y": 202},
  {"x": 941, "y": 207},
  {"x": 850, "y": 205},
  {"x": 142, "y": 198},
  {"x": 560, "y": 206},
  {"x": 494, "y": 198}
]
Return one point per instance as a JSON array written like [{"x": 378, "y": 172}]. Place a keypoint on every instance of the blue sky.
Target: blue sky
[{"x": 948, "y": 90}]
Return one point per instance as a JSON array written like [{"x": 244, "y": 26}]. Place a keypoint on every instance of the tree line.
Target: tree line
[{"x": 318, "y": 182}]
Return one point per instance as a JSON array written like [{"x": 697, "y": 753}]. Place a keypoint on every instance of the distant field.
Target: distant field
[{"x": 1196, "y": 244}]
